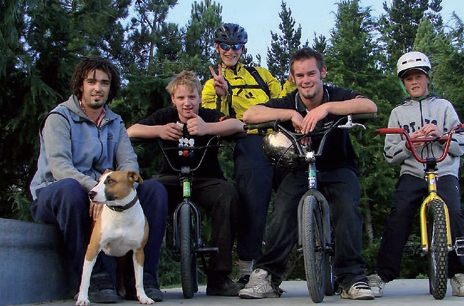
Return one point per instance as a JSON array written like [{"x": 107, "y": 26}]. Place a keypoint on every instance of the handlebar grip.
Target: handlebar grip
[
  {"x": 364, "y": 116},
  {"x": 264, "y": 125}
]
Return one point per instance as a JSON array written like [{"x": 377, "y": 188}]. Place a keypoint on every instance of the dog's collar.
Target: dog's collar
[{"x": 123, "y": 208}]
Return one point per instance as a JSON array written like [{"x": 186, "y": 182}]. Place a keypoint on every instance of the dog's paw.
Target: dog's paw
[
  {"x": 83, "y": 302},
  {"x": 146, "y": 300}
]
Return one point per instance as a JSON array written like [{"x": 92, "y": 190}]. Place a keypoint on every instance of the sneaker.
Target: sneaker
[
  {"x": 101, "y": 289},
  {"x": 457, "y": 283},
  {"x": 376, "y": 284},
  {"x": 219, "y": 283},
  {"x": 259, "y": 286},
  {"x": 150, "y": 285},
  {"x": 358, "y": 291},
  {"x": 243, "y": 280}
]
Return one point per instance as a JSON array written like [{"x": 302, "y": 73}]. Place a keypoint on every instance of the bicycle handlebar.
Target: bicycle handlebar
[
  {"x": 185, "y": 148},
  {"x": 410, "y": 141},
  {"x": 295, "y": 137}
]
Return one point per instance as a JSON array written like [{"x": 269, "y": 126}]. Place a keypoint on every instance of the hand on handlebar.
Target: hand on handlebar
[{"x": 312, "y": 118}]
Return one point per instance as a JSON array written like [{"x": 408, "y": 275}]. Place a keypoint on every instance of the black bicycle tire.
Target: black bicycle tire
[
  {"x": 438, "y": 249},
  {"x": 188, "y": 258},
  {"x": 313, "y": 245}
]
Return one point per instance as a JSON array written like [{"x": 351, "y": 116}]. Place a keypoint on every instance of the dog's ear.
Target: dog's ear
[{"x": 134, "y": 177}]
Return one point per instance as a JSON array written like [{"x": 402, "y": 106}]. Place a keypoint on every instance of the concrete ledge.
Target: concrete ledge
[{"x": 34, "y": 264}]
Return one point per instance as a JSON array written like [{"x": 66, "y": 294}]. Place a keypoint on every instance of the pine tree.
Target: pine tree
[
  {"x": 399, "y": 25},
  {"x": 283, "y": 46},
  {"x": 199, "y": 38}
]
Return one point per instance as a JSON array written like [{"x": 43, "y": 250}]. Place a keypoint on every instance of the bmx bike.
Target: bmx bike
[
  {"x": 187, "y": 220},
  {"x": 435, "y": 230},
  {"x": 315, "y": 236}
]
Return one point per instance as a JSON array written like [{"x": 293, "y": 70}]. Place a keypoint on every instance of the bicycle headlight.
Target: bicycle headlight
[{"x": 280, "y": 151}]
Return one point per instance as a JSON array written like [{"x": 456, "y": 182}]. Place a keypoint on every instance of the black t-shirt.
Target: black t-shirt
[
  {"x": 210, "y": 166},
  {"x": 338, "y": 150}
]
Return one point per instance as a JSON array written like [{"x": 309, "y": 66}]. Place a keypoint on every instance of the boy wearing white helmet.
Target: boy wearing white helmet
[{"x": 421, "y": 114}]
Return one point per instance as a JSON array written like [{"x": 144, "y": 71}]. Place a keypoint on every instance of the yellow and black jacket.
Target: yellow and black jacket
[{"x": 244, "y": 91}]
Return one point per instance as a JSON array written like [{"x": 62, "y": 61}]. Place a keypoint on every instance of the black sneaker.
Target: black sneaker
[
  {"x": 150, "y": 285},
  {"x": 219, "y": 283},
  {"x": 243, "y": 280},
  {"x": 101, "y": 289}
]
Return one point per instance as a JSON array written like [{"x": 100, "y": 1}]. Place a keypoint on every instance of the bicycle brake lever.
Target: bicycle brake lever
[{"x": 350, "y": 125}]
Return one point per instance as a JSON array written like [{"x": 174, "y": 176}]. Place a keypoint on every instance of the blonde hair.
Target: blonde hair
[{"x": 187, "y": 78}]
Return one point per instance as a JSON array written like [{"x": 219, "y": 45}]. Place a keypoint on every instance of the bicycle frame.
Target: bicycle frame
[
  {"x": 430, "y": 177},
  {"x": 314, "y": 221}
]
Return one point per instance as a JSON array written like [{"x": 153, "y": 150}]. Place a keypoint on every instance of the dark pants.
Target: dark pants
[
  {"x": 342, "y": 191},
  {"x": 65, "y": 203},
  {"x": 253, "y": 180},
  {"x": 407, "y": 199},
  {"x": 220, "y": 199}
]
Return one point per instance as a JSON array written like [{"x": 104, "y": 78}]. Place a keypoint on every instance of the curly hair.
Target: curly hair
[{"x": 89, "y": 64}]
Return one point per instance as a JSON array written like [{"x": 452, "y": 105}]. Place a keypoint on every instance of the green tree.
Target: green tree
[
  {"x": 352, "y": 63},
  {"x": 282, "y": 46},
  {"x": 399, "y": 25},
  {"x": 199, "y": 39}
]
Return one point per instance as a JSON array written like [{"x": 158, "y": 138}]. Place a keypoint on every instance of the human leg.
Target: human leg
[
  {"x": 154, "y": 200},
  {"x": 65, "y": 203},
  {"x": 448, "y": 190},
  {"x": 281, "y": 236},
  {"x": 407, "y": 199},
  {"x": 254, "y": 180},
  {"x": 342, "y": 190},
  {"x": 220, "y": 199}
]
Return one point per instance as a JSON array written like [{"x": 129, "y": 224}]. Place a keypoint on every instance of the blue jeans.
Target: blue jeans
[
  {"x": 254, "y": 182},
  {"x": 407, "y": 199},
  {"x": 342, "y": 190},
  {"x": 65, "y": 203}
]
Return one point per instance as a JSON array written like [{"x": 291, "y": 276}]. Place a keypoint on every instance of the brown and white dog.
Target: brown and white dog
[{"x": 121, "y": 227}]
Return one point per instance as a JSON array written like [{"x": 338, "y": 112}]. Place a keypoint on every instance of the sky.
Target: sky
[{"x": 260, "y": 17}]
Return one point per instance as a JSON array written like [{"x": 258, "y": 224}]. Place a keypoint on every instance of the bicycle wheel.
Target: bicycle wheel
[
  {"x": 438, "y": 249},
  {"x": 313, "y": 245},
  {"x": 188, "y": 257}
]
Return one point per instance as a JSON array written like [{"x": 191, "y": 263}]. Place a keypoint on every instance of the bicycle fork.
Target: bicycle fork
[{"x": 431, "y": 178}]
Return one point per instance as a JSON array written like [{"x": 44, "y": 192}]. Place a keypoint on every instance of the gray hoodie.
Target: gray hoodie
[
  {"x": 413, "y": 115},
  {"x": 72, "y": 146}
]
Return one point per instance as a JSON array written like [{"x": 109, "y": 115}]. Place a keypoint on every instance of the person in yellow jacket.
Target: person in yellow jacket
[{"x": 232, "y": 90}]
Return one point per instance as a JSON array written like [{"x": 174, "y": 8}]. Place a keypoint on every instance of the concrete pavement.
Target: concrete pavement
[{"x": 398, "y": 292}]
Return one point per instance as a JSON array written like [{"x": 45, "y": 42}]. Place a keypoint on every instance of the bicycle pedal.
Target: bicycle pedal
[{"x": 459, "y": 246}]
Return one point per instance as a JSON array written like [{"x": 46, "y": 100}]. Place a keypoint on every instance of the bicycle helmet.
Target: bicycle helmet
[
  {"x": 413, "y": 61},
  {"x": 231, "y": 33},
  {"x": 280, "y": 151}
]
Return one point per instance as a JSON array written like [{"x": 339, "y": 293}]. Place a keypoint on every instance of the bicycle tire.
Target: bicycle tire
[
  {"x": 438, "y": 249},
  {"x": 313, "y": 245},
  {"x": 188, "y": 257}
]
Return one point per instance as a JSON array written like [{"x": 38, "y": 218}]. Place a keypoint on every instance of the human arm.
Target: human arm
[
  {"x": 345, "y": 107},
  {"x": 169, "y": 131},
  {"x": 56, "y": 137},
  {"x": 197, "y": 126}
]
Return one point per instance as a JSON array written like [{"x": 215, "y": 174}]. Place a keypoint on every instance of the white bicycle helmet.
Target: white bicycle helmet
[{"x": 413, "y": 61}]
